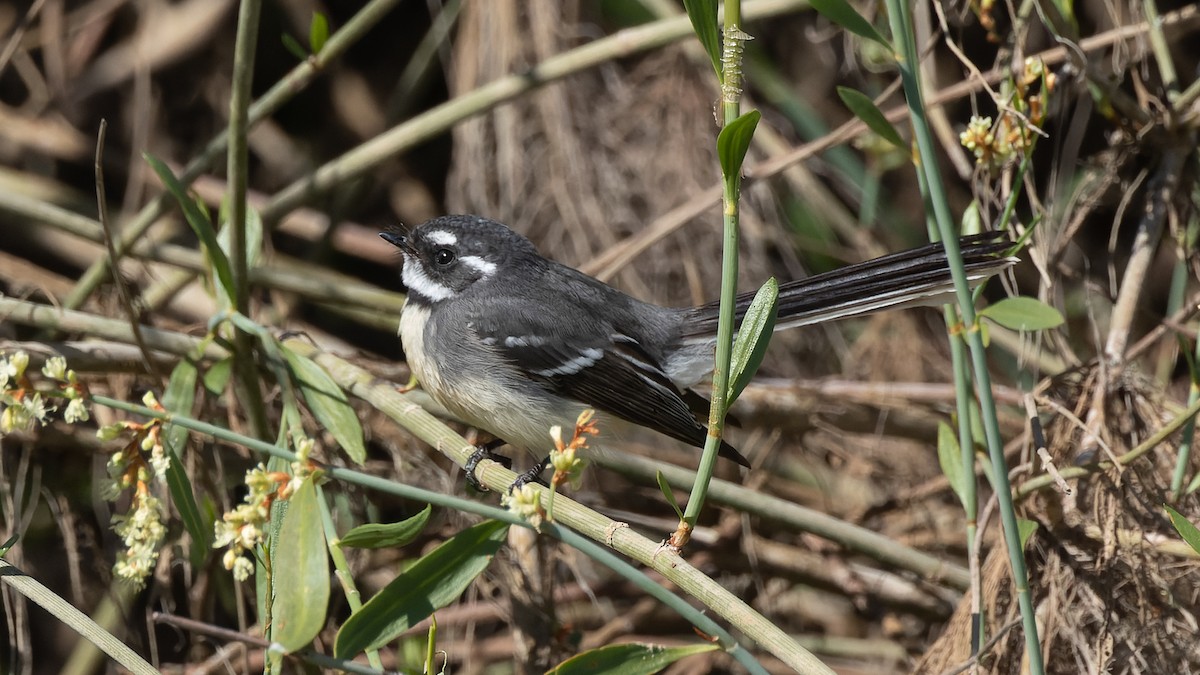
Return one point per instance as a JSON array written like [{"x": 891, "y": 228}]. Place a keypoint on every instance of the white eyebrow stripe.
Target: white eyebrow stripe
[
  {"x": 485, "y": 267},
  {"x": 442, "y": 237},
  {"x": 586, "y": 358},
  {"x": 420, "y": 284}
]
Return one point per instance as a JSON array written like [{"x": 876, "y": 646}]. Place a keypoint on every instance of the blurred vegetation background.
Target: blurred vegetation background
[{"x": 608, "y": 163}]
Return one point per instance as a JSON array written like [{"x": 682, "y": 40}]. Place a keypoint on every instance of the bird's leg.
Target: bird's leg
[
  {"x": 533, "y": 475},
  {"x": 482, "y": 452}
]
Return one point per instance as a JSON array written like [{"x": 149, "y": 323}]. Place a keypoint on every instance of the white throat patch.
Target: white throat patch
[{"x": 420, "y": 284}]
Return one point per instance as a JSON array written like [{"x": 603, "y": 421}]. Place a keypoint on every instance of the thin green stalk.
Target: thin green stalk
[
  {"x": 901, "y": 26},
  {"x": 292, "y": 84},
  {"x": 342, "y": 569},
  {"x": 731, "y": 81},
  {"x": 970, "y": 487},
  {"x": 246, "y": 383},
  {"x": 567, "y": 536}
]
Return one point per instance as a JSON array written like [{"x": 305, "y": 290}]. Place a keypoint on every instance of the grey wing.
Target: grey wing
[{"x": 591, "y": 362}]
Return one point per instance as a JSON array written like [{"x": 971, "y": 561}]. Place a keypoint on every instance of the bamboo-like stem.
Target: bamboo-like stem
[
  {"x": 900, "y": 19},
  {"x": 246, "y": 383},
  {"x": 384, "y": 396},
  {"x": 731, "y": 82}
]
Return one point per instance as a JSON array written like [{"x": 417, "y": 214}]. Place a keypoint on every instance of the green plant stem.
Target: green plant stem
[
  {"x": 342, "y": 569},
  {"x": 246, "y": 383},
  {"x": 966, "y": 445},
  {"x": 292, "y": 84},
  {"x": 493, "y": 474},
  {"x": 900, "y": 19},
  {"x": 731, "y": 75}
]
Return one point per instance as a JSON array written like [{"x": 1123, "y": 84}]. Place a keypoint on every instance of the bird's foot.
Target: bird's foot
[
  {"x": 533, "y": 475},
  {"x": 482, "y": 452}
]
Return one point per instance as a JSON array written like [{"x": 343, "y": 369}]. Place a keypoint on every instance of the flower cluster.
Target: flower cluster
[
  {"x": 526, "y": 502},
  {"x": 135, "y": 466},
  {"x": 1012, "y": 134},
  {"x": 568, "y": 465},
  {"x": 22, "y": 407},
  {"x": 242, "y": 528}
]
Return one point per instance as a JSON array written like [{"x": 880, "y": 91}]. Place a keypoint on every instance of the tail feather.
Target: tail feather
[{"x": 919, "y": 276}]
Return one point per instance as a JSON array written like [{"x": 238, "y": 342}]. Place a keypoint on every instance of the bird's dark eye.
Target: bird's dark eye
[{"x": 443, "y": 256}]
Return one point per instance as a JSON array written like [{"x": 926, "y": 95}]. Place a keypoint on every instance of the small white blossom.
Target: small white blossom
[{"x": 55, "y": 368}]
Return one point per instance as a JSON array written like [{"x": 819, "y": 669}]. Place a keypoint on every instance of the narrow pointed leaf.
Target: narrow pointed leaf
[
  {"x": 318, "y": 32},
  {"x": 841, "y": 13},
  {"x": 734, "y": 141},
  {"x": 301, "y": 572},
  {"x": 865, "y": 109},
  {"x": 382, "y": 535},
  {"x": 1185, "y": 528},
  {"x": 1022, "y": 313},
  {"x": 178, "y": 398},
  {"x": 254, "y": 244},
  {"x": 328, "y": 404},
  {"x": 753, "y": 336},
  {"x": 703, "y": 14},
  {"x": 950, "y": 457},
  {"x": 1026, "y": 528},
  {"x": 668, "y": 493},
  {"x": 627, "y": 659},
  {"x": 433, "y": 582},
  {"x": 293, "y": 45},
  {"x": 217, "y": 376},
  {"x": 195, "y": 218}
]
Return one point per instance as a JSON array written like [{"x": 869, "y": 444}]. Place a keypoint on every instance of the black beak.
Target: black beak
[{"x": 394, "y": 238}]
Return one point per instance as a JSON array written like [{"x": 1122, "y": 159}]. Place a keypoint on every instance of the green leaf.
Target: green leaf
[
  {"x": 318, "y": 32},
  {"x": 1026, "y": 528},
  {"x": 972, "y": 221},
  {"x": 703, "y": 14},
  {"x": 841, "y": 13},
  {"x": 293, "y": 45},
  {"x": 178, "y": 398},
  {"x": 382, "y": 535},
  {"x": 328, "y": 404},
  {"x": 627, "y": 659},
  {"x": 216, "y": 378},
  {"x": 668, "y": 493},
  {"x": 9, "y": 543},
  {"x": 753, "y": 336},
  {"x": 865, "y": 109},
  {"x": 1185, "y": 528},
  {"x": 196, "y": 218},
  {"x": 254, "y": 244},
  {"x": 1022, "y": 313},
  {"x": 734, "y": 141},
  {"x": 950, "y": 457},
  {"x": 301, "y": 572},
  {"x": 432, "y": 582}
]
